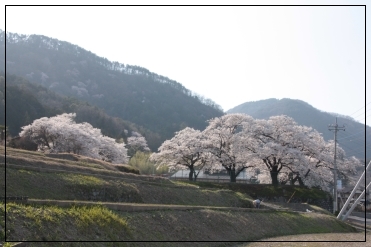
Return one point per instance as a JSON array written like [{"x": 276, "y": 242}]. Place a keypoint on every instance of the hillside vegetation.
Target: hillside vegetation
[{"x": 73, "y": 198}]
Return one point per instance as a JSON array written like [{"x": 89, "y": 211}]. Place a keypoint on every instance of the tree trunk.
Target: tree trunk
[
  {"x": 274, "y": 175},
  {"x": 300, "y": 181},
  {"x": 195, "y": 178},
  {"x": 298, "y": 178},
  {"x": 191, "y": 171},
  {"x": 232, "y": 175}
]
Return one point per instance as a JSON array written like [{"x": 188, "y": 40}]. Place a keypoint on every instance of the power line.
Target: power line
[
  {"x": 360, "y": 109},
  {"x": 363, "y": 113},
  {"x": 351, "y": 135},
  {"x": 363, "y": 144},
  {"x": 362, "y": 118},
  {"x": 352, "y": 131},
  {"x": 360, "y": 139},
  {"x": 355, "y": 153},
  {"x": 342, "y": 145},
  {"x": 355, "y": 132},
  {"x": 356, "y": 144},
  {"x": 353, "y": 150}
]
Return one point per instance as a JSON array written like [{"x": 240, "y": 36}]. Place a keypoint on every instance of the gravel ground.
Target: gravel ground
[{"x": 308, "y": 239}]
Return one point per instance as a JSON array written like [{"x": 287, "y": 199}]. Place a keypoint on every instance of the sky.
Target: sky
[{"x": 229, "y": 54}]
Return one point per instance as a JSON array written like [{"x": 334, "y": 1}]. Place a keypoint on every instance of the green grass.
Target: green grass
[
  {"x": 228, "y": 225},
  {"x": 78, "y": 179},
  {"x": 70, "y": 186},
  {"x": 264, "y": 190},
  {"x": 53, "y": 223},
  {"x": 66, "y": 186},
  {"x": 2, "y": 222}
]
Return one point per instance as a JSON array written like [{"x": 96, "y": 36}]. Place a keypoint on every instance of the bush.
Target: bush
[
  {"x": 127, "y": 168},
  {"x": 141, "y": 161},
  {"x": 23, "y": 143}
]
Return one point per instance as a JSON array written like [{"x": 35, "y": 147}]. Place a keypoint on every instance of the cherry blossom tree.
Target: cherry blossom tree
[
  {"x": 226, "y": 142},
  {"x": 137, "y": 142},
  {"x": 295, "y": 153},
  {"x": 278, "y": 147},
  {"x": 62, "y": 134},
  {"x": 272, "y": 141},
  {"x": 288, "y": 151},
  {"x": 184, "y": 150}
]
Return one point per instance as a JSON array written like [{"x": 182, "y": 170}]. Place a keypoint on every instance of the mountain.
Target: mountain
[
  {"x": 26, "y": 102},
  {"x": 352, "y": 140},
  {"x": 132, "y": 93}
]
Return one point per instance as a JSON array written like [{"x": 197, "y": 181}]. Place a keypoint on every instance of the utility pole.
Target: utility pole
[{"x": 336, "y": 128}]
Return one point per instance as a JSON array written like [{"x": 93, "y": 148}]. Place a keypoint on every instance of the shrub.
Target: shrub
[
  {"x": 141, "y": 161},
  {"x": 127, "y": 168},
  {"x": 23, "y": 143}
]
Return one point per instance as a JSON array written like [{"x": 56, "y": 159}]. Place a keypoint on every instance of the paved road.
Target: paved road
[
  {"x": 359, "y": 223},
  {"x": 359, "y": 219},
  {"x": 322, "y": 240}
]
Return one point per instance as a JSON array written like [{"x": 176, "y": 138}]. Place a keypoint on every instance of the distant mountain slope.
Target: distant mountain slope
[
  {"x": 128, "y": 92},
  {"x": 352, "y": 139}
]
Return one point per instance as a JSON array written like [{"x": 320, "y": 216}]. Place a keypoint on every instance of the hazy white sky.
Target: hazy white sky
[{"x": 228, "y": 54}]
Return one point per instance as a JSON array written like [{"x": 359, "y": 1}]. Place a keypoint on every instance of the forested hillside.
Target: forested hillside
[
  {"x": 352, "y": 140},
  {"x": 128, "y": 92},
  {"x": 26, "y": 102}
]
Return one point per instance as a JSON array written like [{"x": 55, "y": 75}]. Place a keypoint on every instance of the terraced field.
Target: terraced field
[{"x": 80, "y": 199}]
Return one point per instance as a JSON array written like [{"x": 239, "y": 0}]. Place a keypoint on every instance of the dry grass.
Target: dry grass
[{"x": 36, "y": 161}]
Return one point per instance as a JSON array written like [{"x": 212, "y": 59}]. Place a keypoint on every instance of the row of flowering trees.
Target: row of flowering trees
[
  {"x": 62, "y": 134},
  {"x": 279, "y": 146}
]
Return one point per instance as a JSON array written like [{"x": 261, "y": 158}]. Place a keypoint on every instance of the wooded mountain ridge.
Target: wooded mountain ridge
[
  {"x": 132, "y": 93},
  {"x": 26, "y": 102}
]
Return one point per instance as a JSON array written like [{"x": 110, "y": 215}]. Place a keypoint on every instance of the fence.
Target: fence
[
  {"x": 213, "y": 179},
  {"x": 13, "y": 198}
]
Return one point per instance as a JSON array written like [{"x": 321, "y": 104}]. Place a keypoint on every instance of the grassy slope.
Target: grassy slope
[
  {"x": 51, "y": 223},
  {"x": 36, "y": 222}
]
